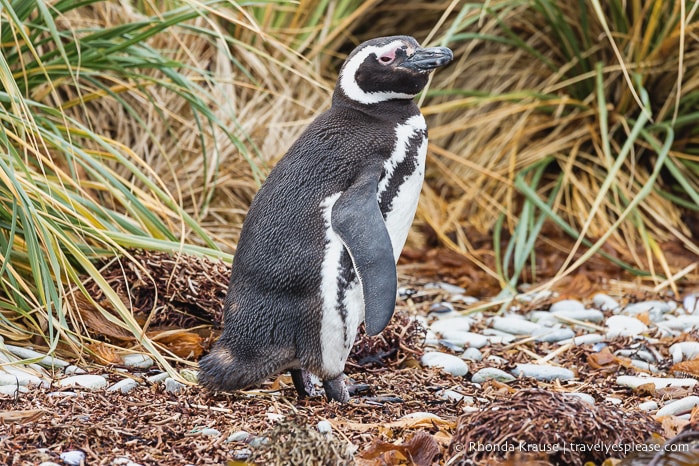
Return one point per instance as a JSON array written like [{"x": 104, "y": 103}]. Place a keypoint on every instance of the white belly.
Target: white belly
[
  {"x": 400, "y": 217},
  {"x": 337, "y": 333}
]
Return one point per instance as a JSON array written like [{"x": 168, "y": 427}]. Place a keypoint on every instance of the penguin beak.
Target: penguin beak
[{"x": 427, "y": 59}]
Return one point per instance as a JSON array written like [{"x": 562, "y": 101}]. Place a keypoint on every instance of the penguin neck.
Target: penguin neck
[{"x": 391, "y": 110}]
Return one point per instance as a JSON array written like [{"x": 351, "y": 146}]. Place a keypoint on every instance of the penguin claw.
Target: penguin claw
[{"x": 358, "y": 388}]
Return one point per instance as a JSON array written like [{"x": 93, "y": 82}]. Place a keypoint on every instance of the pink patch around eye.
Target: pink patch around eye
[{"x": 388, "y": 57}]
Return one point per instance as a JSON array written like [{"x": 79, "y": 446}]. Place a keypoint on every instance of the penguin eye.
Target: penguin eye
[{"x": 387, "y": 58}]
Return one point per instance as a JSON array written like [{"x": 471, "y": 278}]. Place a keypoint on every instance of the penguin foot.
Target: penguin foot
[
  {"x": 358, "y": 388},
  {"x": 335, "y": 389},
  {"x": 302, "y": 383}
]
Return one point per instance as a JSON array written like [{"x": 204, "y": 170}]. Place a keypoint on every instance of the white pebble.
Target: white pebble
[
  {"x": 605, "y": 302},
  {"x": 157, "y": 378},
  {"x": 210, "y": 432},
  {"x": 465, "y": 339},
  {"x": 690, "y": 303},
  {"x": 324, "y": 427},
  {"x": 585, "y": 315},
  {"x": 472, "y": 354},
  {"x": 684, "y": 323},
  {"x": 493, "y": 373},
  {"x": 124, "y": 461},
  {"x": 551, "y": 335},
  {"x": 43, "y": 359},
  {"x": 123, "y": 386},
  {"x": 456, "y": 396},
  {"x": 567, "y": 305},
  {"x": 239, "y": 436},
  {"x": 613, "y": 400},
  {"x": 515, "y": 325},
  {"x": 681, "y": 406},
  {"x": 543, "y": 318},
  {"x": 13, "y": 390},
  {"x": 448, "y": 362},
  {"x": 543, "y": 372},
  {"x": 173, "y": 386},
  {"x": 74, "y": 370},
  {"x": 588, "y": 339},
  {"x": 648, "y": 406},
  {"x": 448, "y": 287},
  {"x": 14, "y": 376},
  {"x": 49, "y": 463},
  {"x": 468, "y": 300},
  {"x": 461, "y": 324},
  {"x": 624, "y": 326},
  {"x": 633, "y": 381},
  {"x": 583, "y": 396},
  {"x": 498, "y": 337},
  {"x": 684, "y": 350},
  {"x": 648, "y": 306},
  {"x": 431, "y": 338},
  {"x": 73, "y": 458},
  {"x": 89, "y": 381},
  {"x": 274, "y": 417},
  {"x": 139, "y": 361}
]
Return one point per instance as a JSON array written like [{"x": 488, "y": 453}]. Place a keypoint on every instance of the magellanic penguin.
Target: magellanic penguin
[{"x": 318, "y": 249}]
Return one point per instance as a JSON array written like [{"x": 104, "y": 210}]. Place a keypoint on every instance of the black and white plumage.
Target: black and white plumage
[{"x": 318, "y": 250}]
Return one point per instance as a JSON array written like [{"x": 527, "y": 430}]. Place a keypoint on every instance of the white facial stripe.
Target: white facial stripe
[{"x": 348, "y": 81}]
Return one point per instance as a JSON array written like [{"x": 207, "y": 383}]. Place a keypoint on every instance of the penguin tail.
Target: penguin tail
[{"x": 222, "y": 370}]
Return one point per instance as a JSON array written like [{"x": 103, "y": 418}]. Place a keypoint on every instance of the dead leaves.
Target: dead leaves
[{"x": 419, "y": 450}]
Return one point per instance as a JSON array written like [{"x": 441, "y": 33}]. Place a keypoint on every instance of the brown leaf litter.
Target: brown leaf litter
[{"x": 401, "y": 417}]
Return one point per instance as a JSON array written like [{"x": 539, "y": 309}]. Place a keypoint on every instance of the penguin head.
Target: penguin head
[{"x": 389, "y": 68}]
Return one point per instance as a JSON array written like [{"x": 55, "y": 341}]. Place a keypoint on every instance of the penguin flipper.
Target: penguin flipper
[{"x": 357, "y": 220}]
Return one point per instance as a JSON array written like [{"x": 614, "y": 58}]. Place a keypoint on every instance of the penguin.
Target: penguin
[{"x": 318, "y": 248}]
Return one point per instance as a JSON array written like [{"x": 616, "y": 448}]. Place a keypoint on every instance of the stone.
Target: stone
[
  {"x": 13, "y": 390},
  {"x": 605, "y": 302},
  {"x": 73, "y": 458},
  {"x": 139, "y": 361},
  {"x": 648, "y": 306},
  {"x": 448, "y": 362},
  {"x": 493, "y": 373},
  {"x": 210, "y": 432},
  {"x": 173, "y": 386},
  {"x": 324, "y": 427},
  {"x": 633, "y": 381},
  {"x": 42, "y": 359},
  {"x": 472, "y": 354},
  {"x": 588, "y": 339},
  {"x": 14, "y": 376},
  {"x": 624, "y": 326},
  {"x": 552, "y": 335},
  {"x": 465, "y": 339},
  {"x": 684, "y": 350},
  {"x": 543, "y": 372},
  {"x": 567, "y": 305},
  {"x": 123, "y": 386},
  {"x": 239, "y": 436},
  {"x": 690, "y": 303},
  {"x": 584, "y": 315},
  {"x": 452, "y": 324},
  {"x": 648, "y": 406},
  {"x": 677, "y": 407},
  {"x": 515, "y": 325},
  {"x": 583, "y": 396},
  {"x": 88, "y": 381}
]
